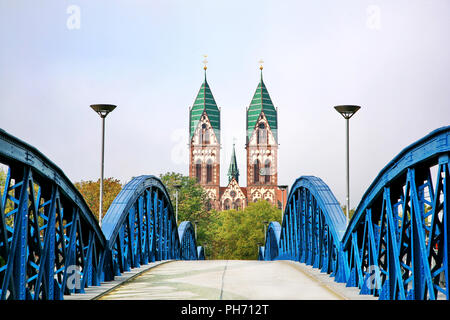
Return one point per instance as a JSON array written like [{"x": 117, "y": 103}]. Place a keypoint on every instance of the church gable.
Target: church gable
[
  {"x": 204, "y": 132},
  {"x": 262, "y": 125},
  {"x": 233, "y": 196}
]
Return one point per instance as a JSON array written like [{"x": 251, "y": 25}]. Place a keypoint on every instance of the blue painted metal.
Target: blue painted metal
[
  {"x": 270, "y": 251},
  {"x": 397, "y": 243},
  {"x": 400, "y": 225},
  {"x": 50, "y": 242},
  {"x": 45, "y": 227},
  {"x": 312, "y": 228},
  {"x": 201, "y": 253},
  {"x": 140, "y": 227}
]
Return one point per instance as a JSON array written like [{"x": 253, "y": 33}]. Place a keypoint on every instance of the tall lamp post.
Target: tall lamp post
[
  {"x": 103, "y": 110},
  {"x": 347, "y": 111},
  {"x": 282, "y": 188},
  {"x": 177, "y": 188},
  {"x": 265, "y": 229},
  {"x": 195, "y": 229}
]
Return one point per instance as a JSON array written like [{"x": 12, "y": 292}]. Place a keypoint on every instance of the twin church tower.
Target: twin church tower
[{"x": 261, "y": 145}]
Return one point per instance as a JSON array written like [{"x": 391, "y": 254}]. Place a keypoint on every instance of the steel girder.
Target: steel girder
[
  {"x": 397, "y": 243},
  {"x": 270, "y": 249},
  {"x": 189, "y": 249},
  {"x": 398, "y": 239},
  {"x": 50, "y": 242},
  {"x": 140, "y": 227},
  {"x": 200, "y": 253},
  {"x": 312, "y": 229}
]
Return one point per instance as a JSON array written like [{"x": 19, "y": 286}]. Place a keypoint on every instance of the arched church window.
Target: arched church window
[
  {"x": 204, "y": 134},
  {"x": 262, "y": 134},
  {"x": 256, "y": 171},
  {"x": 209, "y": 171},
  {"x": 226, "y": 204},
  {"x": 267, "y": 172},
  {"x": 198, "y": 171},
  {"x": 237, "y": 204}
]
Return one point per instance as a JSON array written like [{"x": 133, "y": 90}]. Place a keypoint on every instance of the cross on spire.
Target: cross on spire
[
  {"x": 261, "y": 62},
  {"x": 205, "y": 62}
]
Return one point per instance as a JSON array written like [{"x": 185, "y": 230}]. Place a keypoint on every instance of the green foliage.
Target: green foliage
[
  {"x": 2, "y": 180},
  {"x": 351, "y": 213},
  {"x": 231, "y": 234},
  {"x": 192, "y": 199},
  {"x": 9, "y": 205},
  {"x": 235, "y": 234},
  {"x": 90, "y": 190}
]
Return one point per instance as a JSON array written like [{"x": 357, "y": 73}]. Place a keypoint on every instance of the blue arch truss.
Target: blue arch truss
[
  {"x": 397, "y": 244},
  {"x": 50, "y": 242}
]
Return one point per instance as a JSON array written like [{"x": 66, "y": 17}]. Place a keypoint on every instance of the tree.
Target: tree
[
  {"x": 192, "y": 201},
  {"x": 192, "y": 198},
  {"x": 235, "y": 234},
  {"x": 350, "y": 214},
  {"x": 230, "y": 234},
  {"x": 2, "y": 180},
  {"x": 90, "y": 191}
]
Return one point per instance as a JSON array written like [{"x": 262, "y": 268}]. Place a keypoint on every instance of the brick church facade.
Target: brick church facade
[{"x": 261, "y": 146}]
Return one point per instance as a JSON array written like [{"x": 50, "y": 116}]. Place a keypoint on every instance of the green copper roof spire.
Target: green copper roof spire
[
  {"x": 261, "y": 102},
  {"x": 233, "y": 171},
  {"x": 204, "y": 102}
]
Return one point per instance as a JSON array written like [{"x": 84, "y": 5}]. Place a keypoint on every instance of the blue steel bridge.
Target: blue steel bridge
[{"x": 396, "y": 246}]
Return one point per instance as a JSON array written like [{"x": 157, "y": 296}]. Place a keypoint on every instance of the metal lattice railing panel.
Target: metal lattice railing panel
[
  {"x": 396, "y": 245},
  {"x": 140, "y": 227},
  {"x": 50, "y": 243},
  {"x": 397, "y": 241}
]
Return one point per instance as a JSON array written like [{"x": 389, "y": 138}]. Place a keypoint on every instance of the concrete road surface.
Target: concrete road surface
[{"x": 228, "y": 280}]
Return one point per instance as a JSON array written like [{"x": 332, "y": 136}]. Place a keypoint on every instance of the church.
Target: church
[{"x": 261, "y": 146}]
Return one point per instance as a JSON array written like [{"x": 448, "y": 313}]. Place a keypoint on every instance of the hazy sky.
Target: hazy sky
[{"x": 58, "y": 57}]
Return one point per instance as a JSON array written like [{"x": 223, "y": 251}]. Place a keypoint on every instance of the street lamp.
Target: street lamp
[
  {"x": 103, "y": 110},
  {"x": 177, "y": 188},
  {"x": 265, "y": 229},
  {"x": 282, "y": 188},
  {"x": 259, "y": 244},
  {"x": 347, "y": 111},
  {"x": 195, "y": 229}
]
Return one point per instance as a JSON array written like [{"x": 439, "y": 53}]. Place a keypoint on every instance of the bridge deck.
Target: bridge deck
[{"x": 232, "y": 280}]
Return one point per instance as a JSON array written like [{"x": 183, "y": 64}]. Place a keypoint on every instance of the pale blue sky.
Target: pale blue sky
[{"x": 390, "y": 57}]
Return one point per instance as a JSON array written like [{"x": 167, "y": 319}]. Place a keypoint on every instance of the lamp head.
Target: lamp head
[
  {"x": 103, "y": 109},
  {"x": 347, "y": 111}
]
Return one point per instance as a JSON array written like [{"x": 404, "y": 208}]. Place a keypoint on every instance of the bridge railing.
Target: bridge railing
[
  {"x": 396, "y": 245},
  {"x": 48, "y": 235},
  {"x": 398, "y": 239},
  {"x": 50, "y": 242}
]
